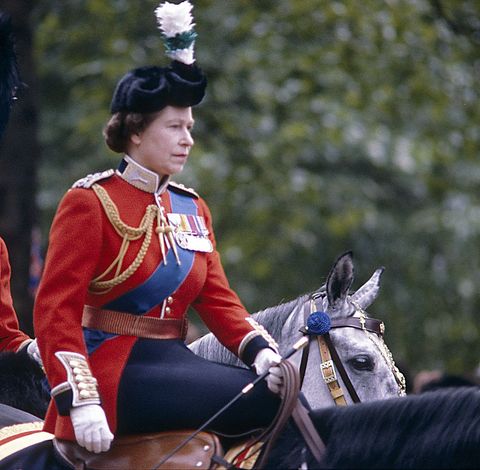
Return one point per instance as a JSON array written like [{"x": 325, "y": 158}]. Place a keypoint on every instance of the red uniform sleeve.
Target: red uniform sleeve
[
  {"x": 74, "y": 248},
  {"x": 223, "y": 312},
  {"x": 11, "y": 338}
]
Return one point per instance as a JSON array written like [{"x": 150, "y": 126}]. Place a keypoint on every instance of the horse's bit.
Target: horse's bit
[{"x": 330, "y": 358}]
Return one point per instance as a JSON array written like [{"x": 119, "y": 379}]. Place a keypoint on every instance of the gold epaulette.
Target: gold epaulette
[
  {"x": 180, "y": 188},
  {"x": 89, "y": 180}
]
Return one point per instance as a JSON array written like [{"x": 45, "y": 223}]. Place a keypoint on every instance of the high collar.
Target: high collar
[{"x": 140, "y": 177}]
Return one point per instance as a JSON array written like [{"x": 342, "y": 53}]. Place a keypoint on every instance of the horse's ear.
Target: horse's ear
[
  {"x": 340, "y": 278},
  {"x": 365, "y": 296}
]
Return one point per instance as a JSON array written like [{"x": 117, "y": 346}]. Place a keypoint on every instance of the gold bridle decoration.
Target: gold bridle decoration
[{"x": 383, "y": 349}]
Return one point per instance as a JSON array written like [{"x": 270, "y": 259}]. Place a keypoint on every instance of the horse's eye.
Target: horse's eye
[{"x": 363, "y": 363}]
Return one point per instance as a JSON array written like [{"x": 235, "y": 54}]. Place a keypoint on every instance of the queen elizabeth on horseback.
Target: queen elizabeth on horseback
[{"x": 129, "y": 252}]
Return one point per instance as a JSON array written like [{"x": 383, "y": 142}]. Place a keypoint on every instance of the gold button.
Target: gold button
[
  {"x": 169, "y": 300},
  {"x": 168, "y": 310}
]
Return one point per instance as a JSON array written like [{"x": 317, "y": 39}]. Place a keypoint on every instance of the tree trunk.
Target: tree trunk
[{"x": 19, "y": 156}]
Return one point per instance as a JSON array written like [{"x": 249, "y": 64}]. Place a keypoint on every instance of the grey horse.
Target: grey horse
[{"x": 364, "y": 355}]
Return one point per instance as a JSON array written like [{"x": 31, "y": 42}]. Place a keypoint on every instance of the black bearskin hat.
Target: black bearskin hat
[{"x": 149, "y": 89}]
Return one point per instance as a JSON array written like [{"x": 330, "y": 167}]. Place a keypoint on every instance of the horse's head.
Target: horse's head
[
  {"x": 358, "y": 340},
  {"x": 366, "y": 359}
]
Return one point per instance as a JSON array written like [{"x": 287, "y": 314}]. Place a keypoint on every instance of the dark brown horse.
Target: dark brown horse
[
  {"x": 433, "y": 430},
  {"x": 439, "y": 429}
]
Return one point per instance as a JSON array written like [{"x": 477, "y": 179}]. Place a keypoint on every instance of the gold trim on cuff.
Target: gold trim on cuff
[{"x": 79, "y": 378}]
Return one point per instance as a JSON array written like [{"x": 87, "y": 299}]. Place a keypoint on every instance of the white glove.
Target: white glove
[
  {"x": 268, "y": 360},
  {"x": 91, "y": 428},
  {"x": 34, "y": 353}
]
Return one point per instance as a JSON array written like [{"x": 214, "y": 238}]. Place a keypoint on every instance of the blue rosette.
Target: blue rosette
[{"x": 318, "y": 323}]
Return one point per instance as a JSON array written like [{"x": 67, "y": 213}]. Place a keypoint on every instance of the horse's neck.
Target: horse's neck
[
  {"x": 280, "y": 321},
  {"x": 279, "y": 318},
  {"x": 283, "y": 321}
]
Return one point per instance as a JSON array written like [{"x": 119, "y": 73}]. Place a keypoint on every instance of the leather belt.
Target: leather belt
[{"x": 128, "y": 324}]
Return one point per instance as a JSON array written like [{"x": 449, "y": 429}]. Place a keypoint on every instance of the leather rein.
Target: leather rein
[{"x": 330, "y": 359}]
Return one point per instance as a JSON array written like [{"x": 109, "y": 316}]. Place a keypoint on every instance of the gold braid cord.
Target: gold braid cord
[
  {"x": 100, "y": 284},
  {"x": 384, "y": 351}
]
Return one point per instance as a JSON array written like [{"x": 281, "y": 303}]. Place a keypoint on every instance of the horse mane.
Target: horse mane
[
  {"x": 438, "y": 429},
  {"x": 272, "y": 318}
]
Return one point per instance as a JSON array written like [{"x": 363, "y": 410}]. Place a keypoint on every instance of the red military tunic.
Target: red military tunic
[
  {"x": 11, "y": 338},
  {"x": 83, "y": 244}
]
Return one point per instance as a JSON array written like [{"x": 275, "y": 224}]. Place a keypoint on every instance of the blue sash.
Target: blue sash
[{"x": 163, "y": 282}]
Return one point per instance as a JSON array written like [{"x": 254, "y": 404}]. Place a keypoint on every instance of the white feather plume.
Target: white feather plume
[
  {"x": 176, "y": 23},
  {"x": 174, "y": 19}
]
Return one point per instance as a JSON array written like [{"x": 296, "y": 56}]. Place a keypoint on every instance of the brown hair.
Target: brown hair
[{"x": 122, "y": 125}]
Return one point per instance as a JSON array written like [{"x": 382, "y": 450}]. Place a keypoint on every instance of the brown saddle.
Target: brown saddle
[{"x": 146, "y": 451}]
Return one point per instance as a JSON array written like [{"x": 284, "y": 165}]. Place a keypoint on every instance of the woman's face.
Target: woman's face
[{"x": 163, "y": 147}]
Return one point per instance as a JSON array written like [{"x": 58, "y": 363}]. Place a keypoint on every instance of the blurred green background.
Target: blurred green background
[{"x": 327, "y": 126}]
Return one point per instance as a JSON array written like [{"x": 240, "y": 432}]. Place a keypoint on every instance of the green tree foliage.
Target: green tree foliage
[{"x": 328, "y": 126}]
